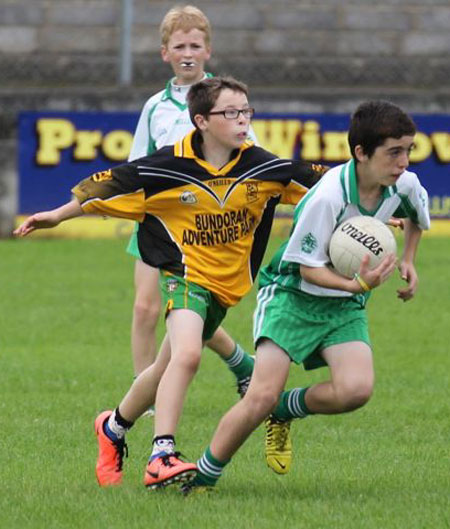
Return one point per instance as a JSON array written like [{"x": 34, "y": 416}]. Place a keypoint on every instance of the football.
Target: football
[{"x": 356, "y": 237}]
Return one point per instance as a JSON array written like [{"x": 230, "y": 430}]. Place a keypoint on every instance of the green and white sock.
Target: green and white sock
[
  {"x": 209, "y": 469},
  {"x": 292, "y": 405},
  {"x": 240, "y": 363}
]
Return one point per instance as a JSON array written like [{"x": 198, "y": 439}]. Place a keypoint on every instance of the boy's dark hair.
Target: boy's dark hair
[
  {"x": 202, "y": 96},
  {"x": 375, "y": 121}
]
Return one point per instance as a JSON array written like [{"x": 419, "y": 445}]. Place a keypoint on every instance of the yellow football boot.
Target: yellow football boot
[{"x": 278, "y": 446}]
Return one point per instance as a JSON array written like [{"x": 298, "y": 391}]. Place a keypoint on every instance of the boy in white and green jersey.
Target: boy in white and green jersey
[
  {"x": 164, "y": 120},
  {"x": 307, "y": 313},
  {"x": 337, "y": 197}
]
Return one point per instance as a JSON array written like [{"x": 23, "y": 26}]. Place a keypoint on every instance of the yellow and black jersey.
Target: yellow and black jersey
[{"x": 207, "y": 225}]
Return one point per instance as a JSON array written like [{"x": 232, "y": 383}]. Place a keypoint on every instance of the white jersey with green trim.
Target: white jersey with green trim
[
  {"x": 164, "y": 120},
  {"x": 332, "y": 200}
]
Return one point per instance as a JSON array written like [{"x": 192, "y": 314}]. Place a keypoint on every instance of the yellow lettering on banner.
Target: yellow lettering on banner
[
  {"x": 311, "y": 143},
  {"x": 422, "y": 148},
  {"x": 53, "y": 135},
  {"x": 278, "y": 135},
  {"x": 117, "y": 144},
  {"x": 440, "y": 206},
  {"x": 87, "y": 142},
  {"x": 441, "y": 142},
  {"x": 336, "y": 147}
]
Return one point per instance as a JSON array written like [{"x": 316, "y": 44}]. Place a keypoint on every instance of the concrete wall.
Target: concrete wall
[
  {"x": 281, "y": 48},
  {"x": 304, "y": 55}
]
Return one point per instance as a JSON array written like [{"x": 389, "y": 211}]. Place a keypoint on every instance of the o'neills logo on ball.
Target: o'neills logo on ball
[{"x": 368, "y": 241}]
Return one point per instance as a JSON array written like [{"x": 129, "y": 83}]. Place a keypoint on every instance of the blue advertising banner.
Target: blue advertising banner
[{"x": 57, "y": 150}]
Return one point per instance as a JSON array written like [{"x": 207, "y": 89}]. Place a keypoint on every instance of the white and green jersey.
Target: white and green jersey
[
  {"x": 164, "y": 120},
  {"x": 332, "y": 200}
]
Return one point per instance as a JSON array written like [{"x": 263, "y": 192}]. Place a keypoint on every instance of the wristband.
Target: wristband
[{"x": 362, "y": 283}]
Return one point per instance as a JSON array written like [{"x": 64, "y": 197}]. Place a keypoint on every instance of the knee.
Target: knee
[
  {"x": 352, "y": 396},
  {"x": 261, "y": 401},
  {"x": 188, "y": 360},
  {"x": 146, "y": 311}
]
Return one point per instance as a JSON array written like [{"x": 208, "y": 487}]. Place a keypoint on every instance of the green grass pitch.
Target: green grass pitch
[{"x": 64, "y": 356}]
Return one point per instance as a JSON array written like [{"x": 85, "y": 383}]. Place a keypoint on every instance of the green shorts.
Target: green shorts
[
  {"x": 177, "y": 293},
  {"x": 132, "y": 247},
  {"x": 304, "y": 325}
]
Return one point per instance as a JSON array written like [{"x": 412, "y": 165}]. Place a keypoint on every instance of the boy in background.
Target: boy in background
[{"x": 186, "y": 46}]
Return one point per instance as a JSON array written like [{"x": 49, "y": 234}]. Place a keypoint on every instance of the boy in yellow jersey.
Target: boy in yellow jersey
[
  {"x": 186, "y": 46},
  {"x": 205, "y": 208}
]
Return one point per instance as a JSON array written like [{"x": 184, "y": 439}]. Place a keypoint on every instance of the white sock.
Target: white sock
[
  {"x": 115, "y": 428},
  {"x": 163, "y": 445}
]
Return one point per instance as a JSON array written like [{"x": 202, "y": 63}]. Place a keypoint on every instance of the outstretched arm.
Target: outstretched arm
[
  {"x": 307, "y": 173},
  {"x": 407, "y": 269},
  {"x": 49, "y": 219}
]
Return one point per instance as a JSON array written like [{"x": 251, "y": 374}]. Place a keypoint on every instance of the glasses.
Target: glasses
[{"x": 233, "y": 113}]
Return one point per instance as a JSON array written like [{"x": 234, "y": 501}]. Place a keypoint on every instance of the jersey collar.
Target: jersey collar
[
  {"x": 349, "y": 184},
  {"x": 167, "y": 95},
  {"x": 188, "y": 147}
]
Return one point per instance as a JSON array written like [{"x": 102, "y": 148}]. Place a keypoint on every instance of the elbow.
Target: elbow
[{"x": 306, "y": 272}]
